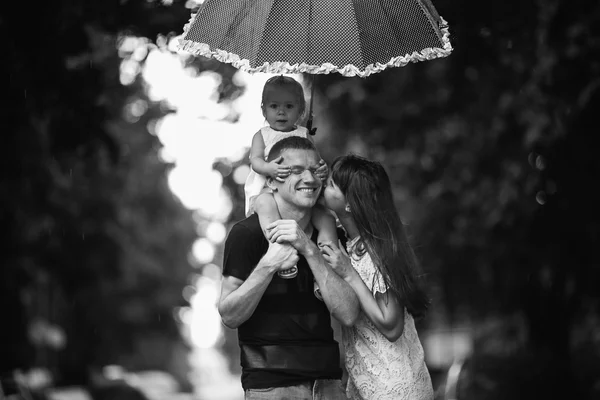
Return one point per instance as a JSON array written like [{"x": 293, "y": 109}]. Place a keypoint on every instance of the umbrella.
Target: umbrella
[{"x": 353, "y": 38}]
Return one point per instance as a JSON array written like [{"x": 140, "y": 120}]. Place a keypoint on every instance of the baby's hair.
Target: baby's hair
[
  {"x": 290, "y": 143},
  {"x": 368, "y": 191},
  {"x": 281, "y": 82}
]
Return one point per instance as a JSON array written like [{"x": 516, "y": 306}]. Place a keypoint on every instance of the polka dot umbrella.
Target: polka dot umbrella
[{"x": 350, "y": 37}]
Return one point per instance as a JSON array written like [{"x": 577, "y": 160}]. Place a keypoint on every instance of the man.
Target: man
[{"x": 284, "y": 330}]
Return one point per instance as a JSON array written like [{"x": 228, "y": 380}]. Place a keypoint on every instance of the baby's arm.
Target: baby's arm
[
  {"x": 259, "y": 165},
  {"x": 266, "y": 209},
  {"x": 325, "y": 224}
]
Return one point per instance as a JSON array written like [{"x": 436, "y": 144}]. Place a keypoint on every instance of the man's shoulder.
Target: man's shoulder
[{"x": 247, "y": 226}]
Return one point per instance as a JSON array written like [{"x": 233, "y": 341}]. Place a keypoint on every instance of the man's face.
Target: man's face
[{"x": 301, "y": 188}]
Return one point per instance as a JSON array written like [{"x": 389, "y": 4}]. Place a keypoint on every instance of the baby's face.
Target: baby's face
[{"x": 281, "y": 111}]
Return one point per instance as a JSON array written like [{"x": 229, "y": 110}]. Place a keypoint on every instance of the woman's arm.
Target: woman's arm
[{"x": 382, "y": 309}]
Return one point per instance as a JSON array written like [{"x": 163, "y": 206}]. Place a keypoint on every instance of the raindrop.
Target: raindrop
[
  {"x": 540, "y": 163},
  {"x": 540, "y": 197}
]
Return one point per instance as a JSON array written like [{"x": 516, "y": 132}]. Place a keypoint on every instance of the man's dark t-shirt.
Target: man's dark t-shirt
[{"x": 288, "y": 339}]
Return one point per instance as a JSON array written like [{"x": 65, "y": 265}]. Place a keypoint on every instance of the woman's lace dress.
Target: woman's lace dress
[{"x": 377, "y": 368}]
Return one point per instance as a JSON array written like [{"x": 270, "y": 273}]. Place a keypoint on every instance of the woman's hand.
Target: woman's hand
[
  {"x": 277, "y": 171},
  {"x": 338, "y": 259}
]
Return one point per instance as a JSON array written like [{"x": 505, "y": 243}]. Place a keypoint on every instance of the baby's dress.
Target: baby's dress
[
  {"x": 255, "y": 182},
  {"x": 377, "y": 368}
]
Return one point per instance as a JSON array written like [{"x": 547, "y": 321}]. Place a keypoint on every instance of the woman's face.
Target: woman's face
[{"x": 333, "y": 198}]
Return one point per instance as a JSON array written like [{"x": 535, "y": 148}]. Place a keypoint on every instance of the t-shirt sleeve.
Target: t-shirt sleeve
[{"x": 241, "y": 253}]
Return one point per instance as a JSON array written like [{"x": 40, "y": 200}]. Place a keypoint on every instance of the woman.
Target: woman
[{"x": 384, "y": 356}]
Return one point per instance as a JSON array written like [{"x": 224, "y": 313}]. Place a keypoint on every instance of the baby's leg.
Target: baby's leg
[
  {"x": 325, "y": 224},
  {"x": 266, "y": 209}
]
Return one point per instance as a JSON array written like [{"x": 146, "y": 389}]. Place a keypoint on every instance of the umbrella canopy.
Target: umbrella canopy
[{"x": 351, "y": 37}]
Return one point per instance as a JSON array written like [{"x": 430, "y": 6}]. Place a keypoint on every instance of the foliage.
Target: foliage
[
  {"x": 95, "y": 256},
  {"x": 492, "y": 155}
]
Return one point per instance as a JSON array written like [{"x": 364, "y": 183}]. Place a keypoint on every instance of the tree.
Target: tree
[
  {"x": 96, "y": 251},
  {"x": 492, "y": 157}
]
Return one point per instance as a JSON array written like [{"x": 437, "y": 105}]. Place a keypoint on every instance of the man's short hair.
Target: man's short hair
[{"x": 290, "y": 143}]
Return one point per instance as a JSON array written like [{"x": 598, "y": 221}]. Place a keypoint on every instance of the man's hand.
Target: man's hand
[
  {"x": 288, "y": 231},
  {"x": 280, "y": 256}
]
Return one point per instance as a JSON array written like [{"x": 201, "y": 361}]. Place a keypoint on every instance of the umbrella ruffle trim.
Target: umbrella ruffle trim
[{"x": 203, "y": 49}]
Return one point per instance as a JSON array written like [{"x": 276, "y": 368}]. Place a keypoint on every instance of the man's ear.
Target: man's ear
[{"x": 271, "y": 184}]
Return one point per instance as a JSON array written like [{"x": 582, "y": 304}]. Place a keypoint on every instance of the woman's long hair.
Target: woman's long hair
[{"x": 367, "y": 189}]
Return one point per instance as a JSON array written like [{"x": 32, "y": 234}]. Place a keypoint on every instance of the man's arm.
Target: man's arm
[
  {"x": 337, "y": 294},
  {"x": 240, "y": 298}
]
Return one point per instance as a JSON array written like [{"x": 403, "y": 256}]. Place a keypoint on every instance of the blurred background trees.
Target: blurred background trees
[
  {"x": 96, "y": 247},
  {"x": 492, "y": 152}
]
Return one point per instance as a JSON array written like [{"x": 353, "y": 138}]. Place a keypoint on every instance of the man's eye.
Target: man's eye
[{"x": 297, "y": 170}]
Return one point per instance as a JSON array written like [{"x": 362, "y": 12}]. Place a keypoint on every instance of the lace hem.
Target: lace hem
[
  {"x": 203, "y": 49},
  {"x": 366, "y": 269}
]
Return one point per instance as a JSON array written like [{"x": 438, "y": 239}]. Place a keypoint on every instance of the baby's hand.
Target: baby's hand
[
  {"x": 323, "y": 171},
  {"x": 277, "y": 171}
]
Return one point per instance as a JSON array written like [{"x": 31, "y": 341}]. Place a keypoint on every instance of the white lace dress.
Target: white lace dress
[
  {"x": 377, "y": 368},
  {"x": 255, "y": 182}
]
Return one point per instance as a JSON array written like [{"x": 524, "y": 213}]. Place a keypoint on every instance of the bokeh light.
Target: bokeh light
[
  {"x": 203, "y": 250},
  {"x": 194, "y": 134},
  {"x": 216, "y": 232}
]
